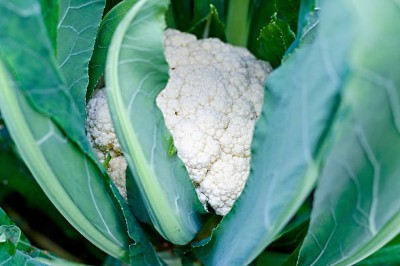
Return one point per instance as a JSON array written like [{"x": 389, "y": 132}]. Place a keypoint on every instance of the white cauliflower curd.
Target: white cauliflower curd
[
  {"x": 103, "y": 139},
  {"x": 210, "y": 104}
]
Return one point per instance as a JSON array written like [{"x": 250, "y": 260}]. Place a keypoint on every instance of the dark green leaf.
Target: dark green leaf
[
  {"x": 263, "y": 13},
  {"x": 50, "y": 12},
  {"x": 210, "y": 26},
  {"x": 274, "y": 40},
  {"x": 386, "y": 256},
  {"x": 185, "y": 14}
]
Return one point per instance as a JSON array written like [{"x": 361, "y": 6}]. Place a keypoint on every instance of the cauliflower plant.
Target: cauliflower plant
[{"x": 210, "y": 104}]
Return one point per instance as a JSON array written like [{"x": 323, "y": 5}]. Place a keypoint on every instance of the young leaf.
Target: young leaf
[
  {"x": 271, "y": 20},
  {"x": 357, "y": 208},
  {"x": 210, "y": 26},
  {"x": 275, "y": 38},
  {"x": 77, "y": 28},
  {"x": 136, "y": 72}
]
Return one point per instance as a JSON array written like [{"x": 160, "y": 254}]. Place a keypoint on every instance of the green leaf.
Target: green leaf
[
  {"x": 110, "y": 4},
  {"x": 107, "y": 27},
  {"x": 271, "y": 258},
  {"x": 275, "y": 38},
  {"x": 136, "y": 72},
  {"x": 264, "y": 15},
  {"x": 357, "y": 208},
  {"x": 45, "y": 126},
  {"x": 286, "y": 152},
  {"x": 185, "y": 14},
  {"x": 78, "y": 191},
  {"x": 141, "y": 252},
  {"x": 50, "y": 11},
  {"x": 210, "y": 26},
  {"x": 308, "y": 22},
  {"x": 387, "y": 256},
  {"x": 15, "y": 248},
  {"x": 77, "y": 28}
]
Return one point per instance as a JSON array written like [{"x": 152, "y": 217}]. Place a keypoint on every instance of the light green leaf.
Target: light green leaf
[
  {"x": 77, "y": 28},
  {"x": 107, "y": 27},
  {"x": 44, "y": 124},
  {"x": 136, "y": 73},
  {"x": 68, "y": 177},
  {"x": 357, "y": 208}
]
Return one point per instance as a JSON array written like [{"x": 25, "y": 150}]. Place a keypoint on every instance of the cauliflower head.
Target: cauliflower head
[
  {"x": 210, "y": 104},
  {"x": 102, "y": 137}
]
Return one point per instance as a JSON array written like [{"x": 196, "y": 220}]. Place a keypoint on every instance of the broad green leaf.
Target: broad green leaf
[
  {"x": 69, "y": 178},
  {"x": 45, "y": 126},
  {"x": 357, "y": 208},
  {"x": 25, "y": 47},
  {"x": 274, "y": 40},
  {"x": 107, "y": 27},
  {"x": 286, "y": 150},
  {"x": 77, "y": 28},
  {"x": 136, "y": 72},
  {"x": 210, "y": 26}
]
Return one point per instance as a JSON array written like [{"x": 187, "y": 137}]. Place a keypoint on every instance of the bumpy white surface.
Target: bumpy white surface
[
  {"x": 210, "y": 104},
  {"x": 103, "y": 139}
]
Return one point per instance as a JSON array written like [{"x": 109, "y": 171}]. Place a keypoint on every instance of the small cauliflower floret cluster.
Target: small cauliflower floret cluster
[
  {"x": 100, "y": 132},
  {"x": 211, "y": 102}
]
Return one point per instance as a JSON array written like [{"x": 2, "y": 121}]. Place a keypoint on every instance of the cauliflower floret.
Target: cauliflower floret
[
  {"x": 103, "y": 139},
  {"x": 210, "y": 104}
]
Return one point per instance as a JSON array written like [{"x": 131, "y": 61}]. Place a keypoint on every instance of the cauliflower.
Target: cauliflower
[
  {"x": 103, "y": 139},
  {"x": 211, "y": 102}
]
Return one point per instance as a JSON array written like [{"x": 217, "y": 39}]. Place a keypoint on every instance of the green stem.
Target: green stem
[{"x": 237, "y": 22}]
